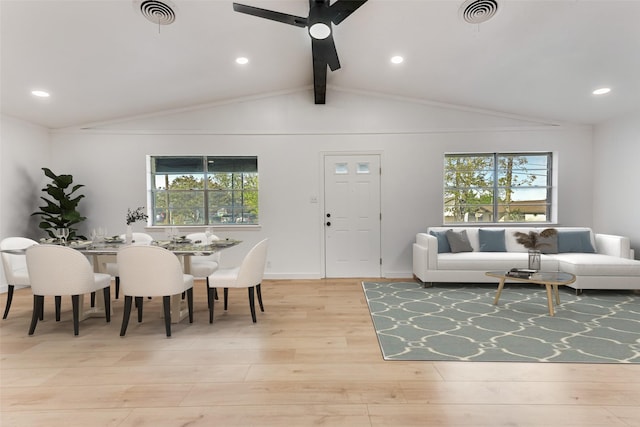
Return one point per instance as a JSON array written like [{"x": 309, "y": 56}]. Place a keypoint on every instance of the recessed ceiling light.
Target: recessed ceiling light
[
  {"x": 397, "y": 59},
  {"x": 242, "y": 60},
  {"x": 601, "y": 91},
  {"x": 40, "y": 93}
]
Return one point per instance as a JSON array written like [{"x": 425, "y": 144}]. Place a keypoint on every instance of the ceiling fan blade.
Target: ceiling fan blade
[
  {"x": 298, "y": 21},
  {"x": 319, "y": 80},
  {"x": 341, "y": 9},
  {"x": 325, "y": 50}
]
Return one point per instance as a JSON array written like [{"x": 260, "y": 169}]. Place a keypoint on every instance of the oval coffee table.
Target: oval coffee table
[{"x": 550, "y": 279}]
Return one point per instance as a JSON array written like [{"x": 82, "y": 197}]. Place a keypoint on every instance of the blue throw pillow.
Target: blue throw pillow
[
  {"x": 491, "y": 240},
  {"x": 575, "y": 241},
  {"x": 443, "y": 242}
]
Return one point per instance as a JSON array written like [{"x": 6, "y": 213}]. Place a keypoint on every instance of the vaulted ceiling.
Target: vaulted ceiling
[{"x": 102, "y": 60}]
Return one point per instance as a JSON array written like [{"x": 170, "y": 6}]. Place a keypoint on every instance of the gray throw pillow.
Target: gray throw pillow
[
  {"x": 491, "y": 240},
  {"x": 443, "y": 243},
  {"x": 575, "y": 241},
  {"x": 459, "y": 241}
]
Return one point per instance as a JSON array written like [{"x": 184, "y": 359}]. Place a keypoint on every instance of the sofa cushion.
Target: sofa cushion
[
  {"x": 443, "y": 242},
  {"x": 491, "y": 240},
  {"x": 575, "y": 241},
  {"x": 588, "y": 264},
  {"x": 458, "y": 241},
  {"x": 487, "y": 261}
]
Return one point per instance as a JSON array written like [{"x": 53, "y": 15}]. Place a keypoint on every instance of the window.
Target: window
[
  {"x": 204, "y": 190},
  {"x": 497, "y": 187}
]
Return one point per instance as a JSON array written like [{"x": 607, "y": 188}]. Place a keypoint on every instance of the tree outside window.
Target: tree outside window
[
  {"x": 497, "y": 187},
  {"x": 206, "y": 190}
]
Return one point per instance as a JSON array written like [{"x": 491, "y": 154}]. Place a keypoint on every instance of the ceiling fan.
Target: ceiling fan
[{"x": 321, "y": 15}]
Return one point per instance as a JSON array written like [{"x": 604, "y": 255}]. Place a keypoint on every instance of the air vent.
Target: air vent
[
  {"x": 160, "y": 13},
  {"x": 478, "y": 11}
]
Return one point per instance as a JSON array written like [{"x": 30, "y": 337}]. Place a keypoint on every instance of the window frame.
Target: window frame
[
  {"x": 497, "y": 208},
  {"x": 206, "y": 177}
]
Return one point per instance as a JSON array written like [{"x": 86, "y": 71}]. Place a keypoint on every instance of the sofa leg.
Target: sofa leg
[
  {"x": 424, "y": 284},
  {"x": 578, "y": 292}
]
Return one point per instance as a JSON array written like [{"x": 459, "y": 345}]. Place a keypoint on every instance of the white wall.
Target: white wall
[
  {"x": 289, "y": 134},
  {"x": 24, "y": 149},
  {"x": 617, "y": 178}
]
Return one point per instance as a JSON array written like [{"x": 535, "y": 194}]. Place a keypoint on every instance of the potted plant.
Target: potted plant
[
  {"x": 534, "y": 242},
  {"x": 61, "y": 206}
]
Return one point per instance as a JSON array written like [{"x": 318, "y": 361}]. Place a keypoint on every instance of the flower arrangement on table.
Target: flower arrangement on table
[
  {"x": 136, "y": 215},
  {"x": 534, "y": 242}
]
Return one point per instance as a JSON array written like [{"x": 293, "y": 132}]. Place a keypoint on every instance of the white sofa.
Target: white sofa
[{"x": 611, "y": 266}]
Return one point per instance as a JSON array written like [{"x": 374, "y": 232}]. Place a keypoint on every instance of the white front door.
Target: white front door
[{"x": 352, "y": 215}]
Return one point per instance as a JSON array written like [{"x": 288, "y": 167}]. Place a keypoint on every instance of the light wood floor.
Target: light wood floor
[{"x": 312, "y": 359}]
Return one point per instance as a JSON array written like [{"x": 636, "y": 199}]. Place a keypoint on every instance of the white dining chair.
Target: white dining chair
[
  {"x": 112, "y": 267},
  {"x": 248, "y": 275},
  {"x": 14, "y": 266},
  {"x": 203, "y": 266},
  {"x": 149, "y": 271},
  {"x": 60, "y": 270}
]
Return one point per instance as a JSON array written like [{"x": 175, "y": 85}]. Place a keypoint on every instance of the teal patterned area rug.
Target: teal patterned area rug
[{"x": 460, "y": 322}]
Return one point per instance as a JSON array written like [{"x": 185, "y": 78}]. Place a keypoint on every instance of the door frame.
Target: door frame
[{"x": 321, "y": 163}]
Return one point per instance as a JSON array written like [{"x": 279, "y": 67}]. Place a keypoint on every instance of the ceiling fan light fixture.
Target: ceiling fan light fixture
[{"x": 319, "y": 31}]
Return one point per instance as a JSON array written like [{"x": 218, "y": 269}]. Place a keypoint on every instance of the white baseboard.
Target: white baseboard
[
  {"x": 398, "y": 275},
  {"x": 291, "y": 276}
]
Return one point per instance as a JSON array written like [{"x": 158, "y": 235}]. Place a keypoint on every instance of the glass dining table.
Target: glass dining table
[{"x": 104, "y": 252}]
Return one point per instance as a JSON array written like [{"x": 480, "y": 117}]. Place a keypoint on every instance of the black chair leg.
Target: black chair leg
[
  {"x": 252, "y": 304},
  {"x": 93, "y": 299},
  {"x": 209, "y": 295},
  {"x": 75, "y": 304},
  {"x": 38, "y": 306},
  {"x": 139, "y": 307},
  {"x": 210, "y": 292},
  {"x": 259, "y": 292},
  {"x": 166, "y": 304},
  {"x": 10, "y": 298},
  {"x": 215, "y": 290},
  {"x": 58, "y": 303},
  {"x": 226, "y": 298},
  {"x": 117, "y": 287},
  {"x": 126, "y": 314},
  {"x": 107, "y": 302},
  {"x": 190, "y": 303}
]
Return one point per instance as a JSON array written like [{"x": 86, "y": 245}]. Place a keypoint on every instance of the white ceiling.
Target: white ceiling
[{"x": 102, "y": 60}]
